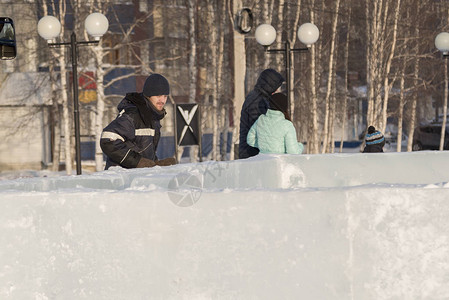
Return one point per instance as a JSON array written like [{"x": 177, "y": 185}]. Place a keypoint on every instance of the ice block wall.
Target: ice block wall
[{"x": 358, "y": 226}]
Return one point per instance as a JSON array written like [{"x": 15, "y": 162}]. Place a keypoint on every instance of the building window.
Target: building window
[{"x": 118, "y": 52}]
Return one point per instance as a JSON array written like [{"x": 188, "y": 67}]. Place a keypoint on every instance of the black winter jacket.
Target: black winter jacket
[
  {"x": 133, "y": 134},
  {"x": 256, "y": 104},
  {"x": 374, "y": 148}
]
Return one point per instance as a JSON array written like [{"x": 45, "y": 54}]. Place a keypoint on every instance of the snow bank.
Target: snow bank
[
  {"x": 262, "y": 172},
  {"x": 341, "y": 226}
]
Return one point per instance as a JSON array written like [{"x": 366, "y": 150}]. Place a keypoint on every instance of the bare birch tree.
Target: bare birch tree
[
  {"x": 65, "y": 105},
  {"x": 267, "y": 11},
  {"x": 239, "y": 68},
  {"x": 443, "y": 125},
  {"x": 99, "y": 54},
  {"x": 387, "y": 84},
  {"x": 401, "y": 101},
  {"x": 280, "y": 33},
  {"x": 346, "y": 68},
  {"x": 313, "y": 144},
  {"x": 446, "y": 94},
  {"x": 55, "y": 104},
  {"x": 223, "y": 129},
  {"x": 330, "y": 78},
  {"x": 193, "y": 68},
  {"x": 372, "y": 28},
  {"x": 292, "y": 38},
  {"x": 59, "y": 12},
  {"x": 213, "y": 41},
  {"x": 414, "y": 96}
]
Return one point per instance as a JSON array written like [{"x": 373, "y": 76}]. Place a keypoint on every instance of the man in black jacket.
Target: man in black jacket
[
  {"x": 131, "y": 140},
  {"x": 256, "y": 104}
]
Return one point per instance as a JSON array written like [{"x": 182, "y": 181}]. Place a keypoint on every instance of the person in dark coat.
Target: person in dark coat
[
  {"x": 374, "y": 141},
  {"x": 256, "y": 104},
  {"x": 131, "y": 140}
]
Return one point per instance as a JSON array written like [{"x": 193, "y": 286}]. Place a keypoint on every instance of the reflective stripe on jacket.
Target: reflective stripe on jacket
[{"x": 127, "y": 139}]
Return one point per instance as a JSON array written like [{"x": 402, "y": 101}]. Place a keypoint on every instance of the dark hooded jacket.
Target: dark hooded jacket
[
  {"x": 374, "y": 148},
  {"x": 133, "y": 134},
  {"x": 256, "y": 103}
]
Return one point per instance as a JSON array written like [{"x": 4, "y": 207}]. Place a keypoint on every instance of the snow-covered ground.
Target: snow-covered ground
[{"x": 331, "y": 226}]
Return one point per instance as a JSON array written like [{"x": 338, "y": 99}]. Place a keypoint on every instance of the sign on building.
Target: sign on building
[{"x": 187, "y": 126}]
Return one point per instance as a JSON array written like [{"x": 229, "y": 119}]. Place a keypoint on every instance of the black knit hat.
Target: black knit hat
[
  {"x": 156, "y": 85},
  {"x": 279, "y": 102}
]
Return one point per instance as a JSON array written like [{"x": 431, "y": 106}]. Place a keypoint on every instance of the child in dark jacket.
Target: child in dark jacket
[{"x": 374, "y": 141}]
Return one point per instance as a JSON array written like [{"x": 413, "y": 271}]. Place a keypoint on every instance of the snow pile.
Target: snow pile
[
  {"x": 261, "y": 172},
  {"x": 340, "y": 226}
]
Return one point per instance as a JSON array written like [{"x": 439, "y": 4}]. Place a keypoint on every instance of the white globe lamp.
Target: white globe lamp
[
  {"x": 96, "y": 25},
  {"x": 49, "y": 28},
  {"x": 265, "y": 34},
  {"x": 442, "y": 42},
  {"x": 308, "y": 34}
]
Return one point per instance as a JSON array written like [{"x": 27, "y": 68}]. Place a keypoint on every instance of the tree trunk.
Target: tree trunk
[
  {"x": 291, "y": 83},
  {"x": 220, "y": 88},
  {"x": 98, "y": 51},
  {"x": 313, "y": 146},
  {"x": 330, "y": 78},
  {"x": 387, "y": 85},
  {"x": 267, "y": 18},
  {"x": 414, "y": 100},
  {"x": 193, "y": 70},
  {"x": 65, "y": 104},
  {"x": 239, "y": 78},
  {"x": 332, "y": 116},
  {"x": 443, "y": 125},
  {"x": 55, "y": 124},
  {"x": 279, "y": 30},
  {"x": 369, "y": 61},
  {"x": 211, "y": 19},
  {"x": 401, "y": 106},
  {"x": 224, "y": 147},
  {"x": 346, "y": 93}
]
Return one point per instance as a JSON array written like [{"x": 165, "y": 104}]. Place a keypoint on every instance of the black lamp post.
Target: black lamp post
[
  {"x": 308, "y": 34},
  {"x": 96, "y": 25}
]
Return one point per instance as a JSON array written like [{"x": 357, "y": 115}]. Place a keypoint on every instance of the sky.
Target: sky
[{"x": 322, "y": 226}]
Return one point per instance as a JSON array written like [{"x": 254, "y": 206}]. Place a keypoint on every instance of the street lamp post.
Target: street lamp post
[
  {"x": 442, "y": 44},
  {"x": 308, "y": 34},
  {"x": 96, "y": 25}
]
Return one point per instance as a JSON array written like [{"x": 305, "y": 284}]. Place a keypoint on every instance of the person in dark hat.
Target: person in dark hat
[
  {"x": 374, "y": 141},
  {"x": 256, "y": 104},
  {"x": 131, "y": 140},
  {"x": 274, "y": 132}
]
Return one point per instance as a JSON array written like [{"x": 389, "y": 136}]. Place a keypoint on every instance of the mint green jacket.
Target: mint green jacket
[{"x": 272, "y": 133}]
